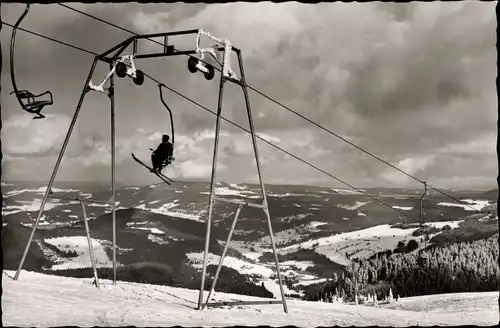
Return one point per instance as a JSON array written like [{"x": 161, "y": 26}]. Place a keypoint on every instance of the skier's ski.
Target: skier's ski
[{"x": 159, "y": 175}]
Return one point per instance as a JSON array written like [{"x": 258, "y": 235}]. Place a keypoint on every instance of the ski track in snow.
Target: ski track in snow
[{"x": 42, "y": 300}]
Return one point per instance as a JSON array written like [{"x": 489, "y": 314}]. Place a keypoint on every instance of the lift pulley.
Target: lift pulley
[
  {"x": 208, "y": 70},
  {"x": 121, "y": 69}
]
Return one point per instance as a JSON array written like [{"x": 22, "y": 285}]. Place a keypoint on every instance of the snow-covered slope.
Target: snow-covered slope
[
  {"x": 43, "y": 300},
  {"x": 361, "y": 243}
]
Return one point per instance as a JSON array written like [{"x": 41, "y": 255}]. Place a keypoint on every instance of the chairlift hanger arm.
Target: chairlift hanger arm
[
  {"x": 12, "y": 48},
  {"x": 169, "y": 111},
  {"x": 425, "y": 191}
]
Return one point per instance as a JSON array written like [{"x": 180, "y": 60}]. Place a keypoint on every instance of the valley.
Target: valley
[{"x": 318, "y": 230}]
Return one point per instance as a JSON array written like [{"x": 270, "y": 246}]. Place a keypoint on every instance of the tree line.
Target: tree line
[{"x": 453, "y": 268}]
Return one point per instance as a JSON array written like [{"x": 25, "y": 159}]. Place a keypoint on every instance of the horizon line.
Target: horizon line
[{"x": 121, "y": 184}]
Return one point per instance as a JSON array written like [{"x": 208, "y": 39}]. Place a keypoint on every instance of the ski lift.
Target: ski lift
[{"x": 29, "y": 102}]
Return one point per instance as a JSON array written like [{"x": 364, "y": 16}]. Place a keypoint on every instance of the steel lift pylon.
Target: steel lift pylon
[{"x": 118, "y": 66}]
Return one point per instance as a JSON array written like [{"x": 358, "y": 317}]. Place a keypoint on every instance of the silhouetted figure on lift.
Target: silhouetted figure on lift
[{"x": 162, "y": 156}]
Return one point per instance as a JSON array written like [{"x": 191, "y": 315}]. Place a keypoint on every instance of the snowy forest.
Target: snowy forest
[{"x": 452, "y": 268}]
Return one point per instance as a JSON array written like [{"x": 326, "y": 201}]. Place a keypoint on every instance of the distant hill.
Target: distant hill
[
  {"x": 492, "y": 194},
  {"x": 318, "y": 230}
]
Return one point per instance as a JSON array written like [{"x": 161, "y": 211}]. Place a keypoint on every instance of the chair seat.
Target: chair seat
[
  {"x": 37, "y": 104},
  {"x": 25, "y": 94}
]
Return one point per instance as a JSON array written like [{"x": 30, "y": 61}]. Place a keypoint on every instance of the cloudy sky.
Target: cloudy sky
[{"x": 412, "y": 83}]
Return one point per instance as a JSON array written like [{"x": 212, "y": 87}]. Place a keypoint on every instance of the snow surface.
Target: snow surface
[
  {"x": 441, "y": 224},
  {"x": 403, "y": 208},
  {"x": 474, "y": 205},
  {"x": 253, "y": 250},
  {"x": 154, "y": 231},
  {"x": 353, "y": 207},
  {"x": 348, "y": 191},
  {"x": 260, "y": 272},
  {"x": 290, "y": 235},
  {"x": 274, "y": 287},
  {"x": 38, "y": 300},
  {"x": 157, "y": 239},
  {"x": 30, "y": 206},
  {"x": 165, "y": 210},
  {"x": 310, "y": 282},
  {"x": 360, "y": 243},
  {"x": 81, "y": 246},
  {"x": 240, "y": 192},
  {"x": 241, "y": 266},
  {"x": 40, "y": 190}
]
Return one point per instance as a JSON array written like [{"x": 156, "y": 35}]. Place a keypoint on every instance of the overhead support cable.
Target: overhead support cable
[
  {"x": 296, "y": 113},
  {"x": 242, "y": 128}
]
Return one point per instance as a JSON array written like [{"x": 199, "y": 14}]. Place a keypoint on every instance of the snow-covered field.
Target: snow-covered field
[
  {"x": 360, "y": 243},
  {"x": 29, "y": 206},
  {"x": 38, "y": 300},
  {"x": 348, "y": 191},
  {"x": 80, "y": 245},
  {"x": 241, "y": 266},
  {"x": 290, "y": 235},
  {"x": 353, "y": 207},
  {"x": 473, "y": 205},
  {"x": 40, "y": 190},
  {"x": 261, "y": 272},
  {"x": 255, "y": 249},
  {"x": 165, "y": 210},
  {"x": 240, "y": 191},
  {"x": 403, "y": 208}
]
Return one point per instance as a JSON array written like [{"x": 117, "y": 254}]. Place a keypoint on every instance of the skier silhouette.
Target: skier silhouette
[{"x": 162, "y": 154}]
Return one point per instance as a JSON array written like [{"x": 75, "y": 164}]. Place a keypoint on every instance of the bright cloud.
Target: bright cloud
[{"x": 23, "y": 136}]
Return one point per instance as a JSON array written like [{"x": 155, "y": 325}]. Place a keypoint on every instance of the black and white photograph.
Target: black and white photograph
[{"x": 203, "y": 164}]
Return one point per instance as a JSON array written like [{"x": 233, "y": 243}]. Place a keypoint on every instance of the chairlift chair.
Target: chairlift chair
[{"x": 29, "y": 102}]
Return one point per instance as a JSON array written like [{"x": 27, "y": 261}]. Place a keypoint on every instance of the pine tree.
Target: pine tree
[
  {"x": 391, "y": 298},
  {"x": 356, "y": 300}
]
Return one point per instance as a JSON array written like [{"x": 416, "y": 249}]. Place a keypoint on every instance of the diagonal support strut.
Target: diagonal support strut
[{"x": 226, "y": 246}]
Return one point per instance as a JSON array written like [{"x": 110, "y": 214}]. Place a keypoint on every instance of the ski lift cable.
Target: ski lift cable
[
  {"x": 283, "y": 150},
  {"x": 240, "y": 127},
  {"x": 296, "y": 113},
  {"x": 54, "y": 40}
]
